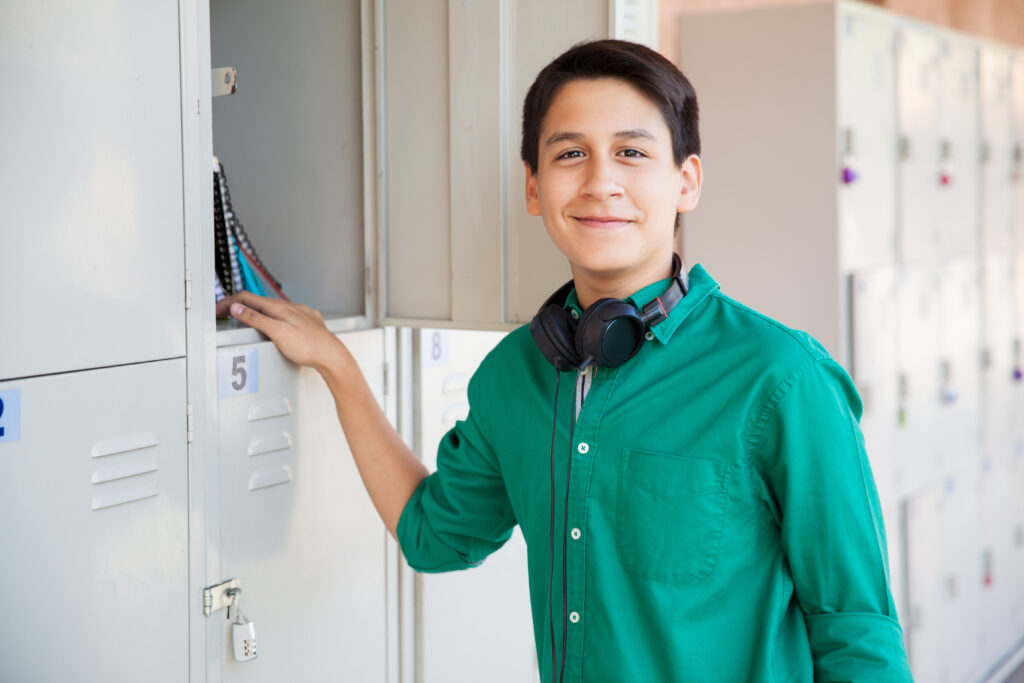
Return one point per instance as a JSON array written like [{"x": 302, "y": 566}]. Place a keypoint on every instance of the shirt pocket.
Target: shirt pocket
[{"x": 670, "y": 515}]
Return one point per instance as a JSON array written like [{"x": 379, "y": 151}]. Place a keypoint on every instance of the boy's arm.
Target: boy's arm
[
  {"x": 389, "y": 469},
  {"x": 811, "y": 453}
]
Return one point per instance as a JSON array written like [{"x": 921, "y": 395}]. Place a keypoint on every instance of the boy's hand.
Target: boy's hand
[{"x": 298, "y": 331}]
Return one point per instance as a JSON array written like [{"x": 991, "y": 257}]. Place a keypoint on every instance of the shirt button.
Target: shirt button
[
  {"x": 574, "y": 313},
  {"x": 575, "y": 533},
  {"x": 574, "y": 617},
  {"x": 583, "y": 447},
  {"x": 649, "y": 336}
]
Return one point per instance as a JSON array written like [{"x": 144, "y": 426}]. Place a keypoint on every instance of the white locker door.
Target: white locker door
[
  {"x": 92, "y": 185},
  {"x": 875, "y": 371},
  {"x": 996, "y": 171},
  {"x": 959, "y": 428},
  {"x": 956, "y": 194},
  {"x": 926, "y": 636},
  {"x": 961, "y": 584},
  {"x": 95, "y": 530},
  {"x": 999, "y": 380},
  {"x": 1018, "y": 146},
  {"x": 297, "y": 528},
  {"x": 920, "y": 377},
  {"x": 918, "y": 88},
  {"x": 867, "y": 144},
  {"x": 473, "y": 620}
]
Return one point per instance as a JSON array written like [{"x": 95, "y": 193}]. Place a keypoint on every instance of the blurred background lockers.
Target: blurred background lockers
[
  {"x": 137, "y": 478},
  {"x": 865, "y": 184}
]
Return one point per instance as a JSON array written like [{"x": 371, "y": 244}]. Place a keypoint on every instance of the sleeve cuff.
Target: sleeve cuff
[{"x": 857, "y": 647}]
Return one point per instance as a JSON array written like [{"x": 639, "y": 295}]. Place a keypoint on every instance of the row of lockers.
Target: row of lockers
[
  {"x": 102, "y": 537},
  {"x": 958, "y": 551},
  {"x": 931, "y": 127},
  {"x": 936, "y": 355}
]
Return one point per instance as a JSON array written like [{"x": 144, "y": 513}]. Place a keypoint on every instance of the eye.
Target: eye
[
  {"x": 570, "y": 154},
  {"x": 633, "y": 153}
]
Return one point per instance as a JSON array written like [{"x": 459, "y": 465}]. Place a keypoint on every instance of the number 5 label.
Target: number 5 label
[
  {"x": 238, "y": 372},
  {"x": 10, "y": 415}
]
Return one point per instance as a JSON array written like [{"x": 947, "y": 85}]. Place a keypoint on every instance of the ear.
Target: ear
[
  {"x": 691, "y": 177},
  {"x": 532, "y": 198}
]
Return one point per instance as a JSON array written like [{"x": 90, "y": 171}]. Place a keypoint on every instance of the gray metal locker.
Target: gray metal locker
[
  {"x": 469, "y": 620},
  {"x": 997, "y": 229},
  {"x": 92, "y": 186},
  {"x": 296, "y": 527},
  {"x": 95, "y": 532}
]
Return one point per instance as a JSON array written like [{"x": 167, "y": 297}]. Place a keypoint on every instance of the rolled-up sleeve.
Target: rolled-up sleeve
[
  {"x": 461, "y": 513},
  {"x": 811, "y": 455}
]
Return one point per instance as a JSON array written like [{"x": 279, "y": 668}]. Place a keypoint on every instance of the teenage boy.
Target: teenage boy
[{"x": 719, "y": 521}]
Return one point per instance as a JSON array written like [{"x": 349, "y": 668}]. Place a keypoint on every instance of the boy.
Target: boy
[{"x": 719, "y": 521}]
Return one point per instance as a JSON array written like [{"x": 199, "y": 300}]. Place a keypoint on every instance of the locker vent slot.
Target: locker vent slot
[
  {"x": 123, "y": 445},
  {"x": 274, "y": 408},
  {"x": 271, "y": 442},
  {"x": 129, "y": 495},
  {"x": 129, "y": 469},
  {"x": 262, "y": 479}
]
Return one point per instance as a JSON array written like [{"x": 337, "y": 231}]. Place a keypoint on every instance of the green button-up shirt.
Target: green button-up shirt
[{"x": 723, "y": 522}]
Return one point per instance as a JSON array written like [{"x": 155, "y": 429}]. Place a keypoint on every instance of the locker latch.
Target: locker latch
[{"x": 220, "y": 596}]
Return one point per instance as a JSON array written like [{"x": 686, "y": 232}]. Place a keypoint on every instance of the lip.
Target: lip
[{"x": 602, "y": 221}]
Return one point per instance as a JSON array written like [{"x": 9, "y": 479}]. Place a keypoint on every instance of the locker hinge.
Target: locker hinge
[
  {"x": 188, "y": 423},
  {"x": 387, "y": 376},
  {"x": 188, "y": 290}
]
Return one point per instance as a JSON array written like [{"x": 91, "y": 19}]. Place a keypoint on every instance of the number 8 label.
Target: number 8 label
[{"x": 238, "y": 372}]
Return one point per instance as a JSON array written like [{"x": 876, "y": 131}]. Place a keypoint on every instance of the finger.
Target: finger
[
  {"x": 275, "y": 308},
  {"x": 256, "y": 320}
]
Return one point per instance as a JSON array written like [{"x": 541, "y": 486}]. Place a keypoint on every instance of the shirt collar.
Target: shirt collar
[{"x": 701, "y": 285}]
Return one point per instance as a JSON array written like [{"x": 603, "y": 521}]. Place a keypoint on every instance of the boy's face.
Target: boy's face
[{"x": 606, "y": 184}]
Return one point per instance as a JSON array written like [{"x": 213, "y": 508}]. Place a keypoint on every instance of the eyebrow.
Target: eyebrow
[{"x": 621, "y": 135}]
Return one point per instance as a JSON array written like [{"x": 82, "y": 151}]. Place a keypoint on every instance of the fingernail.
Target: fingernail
[{"x": 237, "y": 309}]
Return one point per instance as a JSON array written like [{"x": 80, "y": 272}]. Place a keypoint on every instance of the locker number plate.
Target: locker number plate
[
  {"x": 238, "y": 372},
  {"x": 10, "y": 415}
]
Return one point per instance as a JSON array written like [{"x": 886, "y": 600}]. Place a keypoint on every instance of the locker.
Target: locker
[
  {"x": 926, "y": 592},
  {"x": 471, "y": 619},
  {"x": 962, "y": 585},
  {"x": 296, "y": 525},
  {"x": 999, "y": 380},
  {"x": 996, "y": 560},
  {"x": 997, "y": 230},
  {"x": 92, "y": 208},
  {"x": 95, "y": 533},
  {"x": 920, "y": 391},
  {"x": 1017, "y": 172},
  {"x": 919, "y": 87},
  {"x": 868, "y": 135},
  {"x": 959, "y": 426},
  {"x": 956, "y": 192},
  {"x": 875, "y": 371}
]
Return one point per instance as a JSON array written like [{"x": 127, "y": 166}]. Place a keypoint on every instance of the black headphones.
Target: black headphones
[{"x": 610, "y": 332}]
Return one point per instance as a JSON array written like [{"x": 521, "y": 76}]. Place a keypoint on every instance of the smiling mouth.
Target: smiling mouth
[{"x": 601, "y": 222}]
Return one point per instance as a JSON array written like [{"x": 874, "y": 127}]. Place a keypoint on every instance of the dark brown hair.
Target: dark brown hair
[{"x": 650, "y": 73}]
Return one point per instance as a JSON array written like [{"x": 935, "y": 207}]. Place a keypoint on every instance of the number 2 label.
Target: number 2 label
[
  {"x": 238, "y": 372},
  {"x": 10, "y": 415}
]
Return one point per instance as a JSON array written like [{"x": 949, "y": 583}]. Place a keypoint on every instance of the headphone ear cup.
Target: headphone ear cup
[
  {"x": 610, "y": 332},
  {"x": 554, "y": 333}
]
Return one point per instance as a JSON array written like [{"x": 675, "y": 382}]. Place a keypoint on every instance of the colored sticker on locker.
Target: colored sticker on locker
[
  {"x": 10, "y": 415},
  {"x": 238, "y": 372}
]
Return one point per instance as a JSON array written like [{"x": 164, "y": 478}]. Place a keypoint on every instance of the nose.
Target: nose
[{"x": 600, "y": 179}]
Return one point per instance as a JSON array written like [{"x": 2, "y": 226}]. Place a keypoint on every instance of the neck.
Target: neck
[{"x": 591, "y": 286}]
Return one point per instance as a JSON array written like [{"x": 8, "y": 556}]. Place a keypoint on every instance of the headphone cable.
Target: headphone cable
[{"x": 551, "y": 536}]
